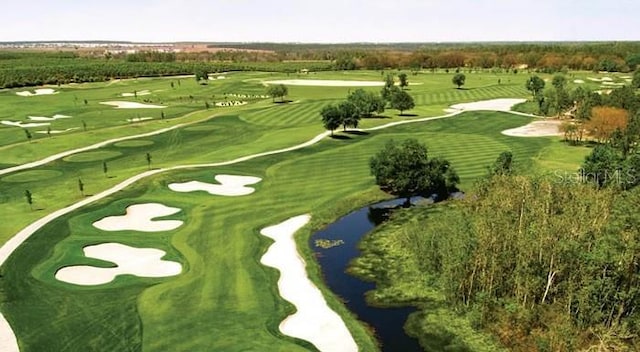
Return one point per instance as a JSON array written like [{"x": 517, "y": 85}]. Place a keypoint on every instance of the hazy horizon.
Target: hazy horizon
[{"x": 328, "y": 22}]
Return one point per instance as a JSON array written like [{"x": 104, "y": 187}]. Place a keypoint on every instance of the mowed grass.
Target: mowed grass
[{"x": 224, "y": 300}]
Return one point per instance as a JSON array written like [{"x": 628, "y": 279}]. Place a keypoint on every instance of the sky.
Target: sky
[{"x": 320, "y": 21}]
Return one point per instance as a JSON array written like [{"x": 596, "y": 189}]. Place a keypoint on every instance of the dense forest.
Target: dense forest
[{"x": 35, "y": 68}]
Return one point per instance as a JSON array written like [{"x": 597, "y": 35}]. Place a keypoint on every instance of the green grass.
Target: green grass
[{"x": 225, "y": 300}]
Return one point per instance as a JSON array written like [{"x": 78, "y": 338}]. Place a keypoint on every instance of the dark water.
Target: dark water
[{"x": 387, "y": 322}]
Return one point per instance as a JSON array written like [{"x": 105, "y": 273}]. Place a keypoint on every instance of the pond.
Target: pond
[{"x": 387, "y": 322}]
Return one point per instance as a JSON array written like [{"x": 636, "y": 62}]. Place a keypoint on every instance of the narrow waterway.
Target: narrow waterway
[{"x": 387, "y": 322}]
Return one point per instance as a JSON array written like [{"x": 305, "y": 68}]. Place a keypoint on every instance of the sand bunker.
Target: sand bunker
[
  {"x": 136, "y": 94},
  {"x": 140, "y": 217},
  {"x": 44, "y": 91},
  {"x": 23, "y": 124},
  {"x": 213, "y": 78},
  {"x": 231, "y": 103},
  {"x": 579, "y": 81},
  {"x": 230, "y": 186},
  {"x": 142, "y": 262},
  {"x": 313, "y": 321},
  {"x": 138, "y": 119},
  {"x": 628, "y": 80},
  {"x": 58, "y": 131},
  {"x": 131, "y": 105},
  {"x": 594, "y": 79},
  {"x": 257, "y": 96},
  {"x": 606, "y": 79},
  {"x": 493, "y": 105},
  {"x": 536, "y": 129},
  {"x": 42, "y": 118},
  {"x": 604, "y": 84},
  {"x": 8, "y": 341}
]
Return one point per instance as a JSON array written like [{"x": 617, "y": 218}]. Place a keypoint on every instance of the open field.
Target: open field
[{"x": 222, "y": 288}]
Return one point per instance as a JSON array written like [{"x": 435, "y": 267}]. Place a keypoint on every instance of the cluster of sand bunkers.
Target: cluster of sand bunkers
[
  {"x": 254, "y": 96},
  {"x": 43, "y": 91},
  {"x": 313, "y": 320}
]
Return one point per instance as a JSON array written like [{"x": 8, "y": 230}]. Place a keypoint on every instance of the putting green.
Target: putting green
[
  {"x": 92, "y": 156},
  {"x": 134, "y": 143},
  {"x": 32, "y": 176}
]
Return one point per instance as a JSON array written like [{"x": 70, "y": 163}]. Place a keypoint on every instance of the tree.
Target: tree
[
  {"x": 404, "y": 82},
  {"x": 200, "y": 75},
  {"x": 148, "y": 157},
  {"x": 29, "y": 198},
  {"x": 105, "y": 169},
  {"x": 278, "y": 91},
  {"x": 503, "y": 165},
  {"x": 49, "y": 131},
  {"x": 388, "y": 88},
  {"x": 459, "y": 79},
  {"x": 602, "y": 166},
  {"x": 559, "y": 82},
  {"x": 81, "y": 186},
  {"x": 605, "y": 121},
  {"x": 28, "y": 134},
  {"x": 401, "y": 100},
  {"x": 635, "y": 82},
  {"x": 366, "y": 103},
  {"x": 405, "y": 170},
  {"x": 535, "y": 85},
  {"x": 331, "y": 117},
  {"x": 348, "y": 115}
]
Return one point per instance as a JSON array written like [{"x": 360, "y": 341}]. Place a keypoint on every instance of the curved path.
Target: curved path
[{"x": 8, "y": 342}]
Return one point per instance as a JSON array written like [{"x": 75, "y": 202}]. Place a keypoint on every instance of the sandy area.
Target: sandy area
[
  {"x": 493, "y": 104},
  {"x": 628, "y": 80},
  {"x": 607, "y": 79},
  {"x": 594, "y": 79},
  {"x": 138, "y": 119},
  {"x": 8, "y": 341},
  {"x": 140, "y": 93},
  {"x": 536, "y": 129},
  {"x": 42, "y": 118},
  {"x": 43, "y": 91},
  {"x": 248, "y": 96},
  {"x": 230, "y": 185},
  {"x": 625, "y": 77},
  {"x": 606, "y": 91},
  {"x": 142, "y": 262},
  {"x": 612, "y": 84},
  {"x": 213, "y": 78},
  {"x": 231, "y": 103},
  {"x": 313, "y": 321},
  {"x": 23, "y": 124},
  {"x": 579, "y": 81},
  {"x": 139, "y": 217},
  {"x": 57, "y": 131},
  {"x": 131, "y": 105}
]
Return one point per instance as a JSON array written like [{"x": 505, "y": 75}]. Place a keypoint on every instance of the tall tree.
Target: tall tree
[
  {"x": 459, "y": 79},
  {"x": 535, "y": 85},
  {"x": 401, "y": 100},
  {"x": 404, "y": 82},
  {"x": 81, "y": 186},
  {"x": 366, "y": 103},
  {"x": 605, "y": 121},
  {"x": 503, "y": 165},
  {"x": 388, "y": 88},
  {"x": 635, "y": 81},
  {"x": 278, "y": 91},
  {"x": 349, "y": 115},
  {"x": 105, "y": 169},
  {"x": 405, "y": 170},
  {"x": 201, "y": 74},
  {"x": 331, "y": 117},
  {"x": 559, "y": 82}
]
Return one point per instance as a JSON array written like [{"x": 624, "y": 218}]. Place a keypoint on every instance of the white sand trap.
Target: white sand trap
[
  {"x": 140, "y": 93},
  {"x": 140, "y": 217},
  {"x": 594, "y": 79},
  {"x": 142, "y": 262},
  {"x": 601, "y": 92},
  {"x": 58, "y": 131},
  {"x": 131, "y": 105},
  {"x": 42, "y": 118},
  {"x": 44, "y": 91},
  {"x": 230, "y": 186},
  {"x": 8, "y": 341},
  {"x": 23, "y": 124},
  {"x": 628, "y": 80},
  {"x": 138, "y": 119},
  {"x": 612, "y": 84},
  {"x": 625, "y": 77},
  {"x": 213, "y": 78},
  {"x": 313, "y": 321},
  {"x": 536, "y": 129},
  {"x": 231, "y": 103},
  {"x": 606, "y": 79},
  {"x": 493, "y": 104},
  {"x": 579, "y": 81}
]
